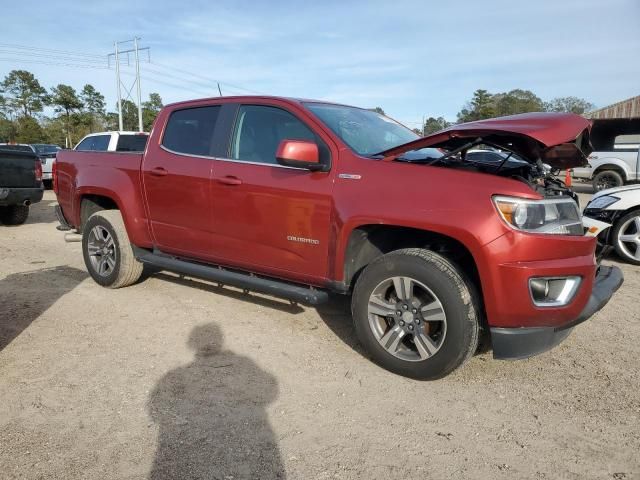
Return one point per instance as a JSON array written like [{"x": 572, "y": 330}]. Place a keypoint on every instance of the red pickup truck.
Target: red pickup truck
[{"x": 298, "y": 198}]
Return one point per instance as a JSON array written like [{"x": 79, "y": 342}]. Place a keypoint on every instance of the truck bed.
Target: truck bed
[{"x": 76, "y": 174}]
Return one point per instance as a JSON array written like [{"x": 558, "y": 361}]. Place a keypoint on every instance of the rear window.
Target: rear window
[
  {"x": 627, "y": 143},
  {"x": 190, "y": 131},
  {"x": 96, "y": 143},
  {"x": 132, "y": 143},
  {"x": 17, "y": 148},
  {"x": 43, "y": 149}
]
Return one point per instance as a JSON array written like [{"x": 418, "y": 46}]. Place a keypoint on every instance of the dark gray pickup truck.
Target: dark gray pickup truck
[{"x": 20, "y": 185}]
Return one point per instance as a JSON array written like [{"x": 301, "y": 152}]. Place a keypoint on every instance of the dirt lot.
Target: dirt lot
[{"x": 174, "y": 378}]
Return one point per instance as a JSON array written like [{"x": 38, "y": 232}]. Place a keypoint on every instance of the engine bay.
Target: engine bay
[{"x": 488, "y": 159}]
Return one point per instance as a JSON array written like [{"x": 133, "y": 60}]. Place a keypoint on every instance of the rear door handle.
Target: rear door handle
[
  {"x": 229, "y": 180},
  {"x": 158, "y": 172}
]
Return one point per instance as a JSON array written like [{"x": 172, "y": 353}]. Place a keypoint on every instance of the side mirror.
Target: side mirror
[{"x": 299, "y": 154}]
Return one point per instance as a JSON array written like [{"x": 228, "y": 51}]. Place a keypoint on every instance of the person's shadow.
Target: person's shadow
[{"x": 212, "y": 416}]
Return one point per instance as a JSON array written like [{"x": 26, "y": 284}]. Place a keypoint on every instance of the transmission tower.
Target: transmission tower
[{"x": 119, "y": 55}]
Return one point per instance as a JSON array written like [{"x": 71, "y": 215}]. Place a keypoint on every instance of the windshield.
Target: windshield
[
  {"x": 42, "y": 148},
  {"x": 365, "y": 131}
]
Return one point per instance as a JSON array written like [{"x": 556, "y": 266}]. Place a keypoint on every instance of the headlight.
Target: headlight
[
  {"x": 601, "y": 203},
  {"x": 558, "y": 216}
]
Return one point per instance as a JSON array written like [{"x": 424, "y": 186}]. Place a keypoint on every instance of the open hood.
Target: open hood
[{"x": 558, "y": 139}]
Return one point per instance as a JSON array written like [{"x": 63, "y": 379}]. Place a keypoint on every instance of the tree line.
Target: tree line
[
  {"x": 484, "y": 105},
  {"x": 23, "y": 100}
]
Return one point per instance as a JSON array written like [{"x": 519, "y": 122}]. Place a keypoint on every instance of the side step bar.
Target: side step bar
[{"x": 276, "y": 288}]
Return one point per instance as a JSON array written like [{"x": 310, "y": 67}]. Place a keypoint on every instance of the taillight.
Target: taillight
[
  {"x": 54, "y": 174},
  {"x": 38, "y": 170}
]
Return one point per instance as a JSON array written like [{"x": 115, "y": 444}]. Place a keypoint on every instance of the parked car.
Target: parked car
[
  {"x": 45, "y": 152},
  {"x": 619, "y": 207},
  {"x": 616, "y": 159},
  {"x": 113, "y": 142},
  {"x": 20, "y": 184},
  {"x": 300, "y": 198}
]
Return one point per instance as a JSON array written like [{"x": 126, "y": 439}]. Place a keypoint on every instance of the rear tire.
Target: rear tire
[
  {"x": 14, "y": 214},
  {"x": 426, "y": 333},
  {"x": 107, "y": 252},
  {"x": 626, "y": 237},
  {"x": 607, "y": 179}
]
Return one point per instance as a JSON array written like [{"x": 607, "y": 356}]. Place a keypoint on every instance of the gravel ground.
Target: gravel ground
[{"x": 175, "y": 378}]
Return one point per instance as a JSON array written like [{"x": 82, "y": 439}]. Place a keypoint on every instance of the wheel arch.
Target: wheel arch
[
  {"x": 609, "y": 165},
  {"x": 369, "y": 241},
  {"x": 93, "y": 199}
]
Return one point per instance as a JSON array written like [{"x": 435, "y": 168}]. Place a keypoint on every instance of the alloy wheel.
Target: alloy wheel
[
  {"x": 102, "y": 251},
  {"x": 629, "y": 238},
  {"x": 407, "y": 319}
]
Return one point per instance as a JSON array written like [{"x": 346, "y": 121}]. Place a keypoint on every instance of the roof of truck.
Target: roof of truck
[{"x": 245, "y": 98}]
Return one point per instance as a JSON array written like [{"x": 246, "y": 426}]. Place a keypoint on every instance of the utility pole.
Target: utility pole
[
  {"x": 136, "y": 83},
  {"x": 115, "y": 44},
  {"x": 135, "y": 43}
]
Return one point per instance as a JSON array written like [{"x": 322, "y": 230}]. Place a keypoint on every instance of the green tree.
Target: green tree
[
  {"x": 516, "y": 101},
  {"x": 66, "y": 102},
  {"x": 569, "y": 104},
  {"x": 150, "y": 110},
  {"x": 378, "y": 110},
  {"x": 8, "y": 130},
  {"x": 54, "y": 131},
  {"x": 432, "y": 125},
  {"x": 23, "y": 93},
  {"x": 129, "y": 117},
  {"x": 480, "y": 107},
  {"x": 28, "y": 130},
  {"x": 93, "y": 108}
]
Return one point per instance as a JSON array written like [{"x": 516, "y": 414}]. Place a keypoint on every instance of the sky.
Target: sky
[{"x": 412, "y": 58}]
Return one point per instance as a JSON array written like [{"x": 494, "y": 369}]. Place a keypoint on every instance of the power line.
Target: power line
[
  {"x": 59, "y": 64},
  {"x": 25, "y": 47},
  {"x": 168, "y": 84},
  {"x": 208, "y": 79},
  {"x": 57, "y": 57},
  {"x": 69, "y": 58}
]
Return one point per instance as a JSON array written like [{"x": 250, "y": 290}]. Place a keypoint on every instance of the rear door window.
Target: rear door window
[
  {"x": 190, "y": 131},
  {"x": 132, "y": 143}
]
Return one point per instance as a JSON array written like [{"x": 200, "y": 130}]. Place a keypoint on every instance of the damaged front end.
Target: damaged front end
[{"x": 531, "y": 147}]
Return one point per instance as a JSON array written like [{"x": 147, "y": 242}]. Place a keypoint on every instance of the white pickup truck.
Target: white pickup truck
[
  {"x": 615, "y": 160},
  {"x": 113, "y": 142}
]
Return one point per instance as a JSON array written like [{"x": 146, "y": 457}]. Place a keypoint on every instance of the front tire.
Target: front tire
[
  {"x": 626, "y": 237},
  {"x": 107, "y": 252},
  {"x": 415, "y": 314},
  {"x": 14, "y": 214}
]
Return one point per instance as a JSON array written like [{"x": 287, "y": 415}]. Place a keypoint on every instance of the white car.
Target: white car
[
  {"x": 619, "y": 207},
  {"x": 113, "y": 142}
]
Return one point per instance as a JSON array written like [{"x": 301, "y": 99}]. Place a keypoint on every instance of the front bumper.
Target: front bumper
[
  {"x": 517, "y": 343},
  {"x": 17, "y": 196}
]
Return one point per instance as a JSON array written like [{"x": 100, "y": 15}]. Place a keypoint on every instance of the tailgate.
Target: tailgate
[{"x": 17, "y": 169}]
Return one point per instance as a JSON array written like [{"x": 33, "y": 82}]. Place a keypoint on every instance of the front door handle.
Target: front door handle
[
  {"x": 158, "y": 172},
  {"x": 229, "y": 180}
]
